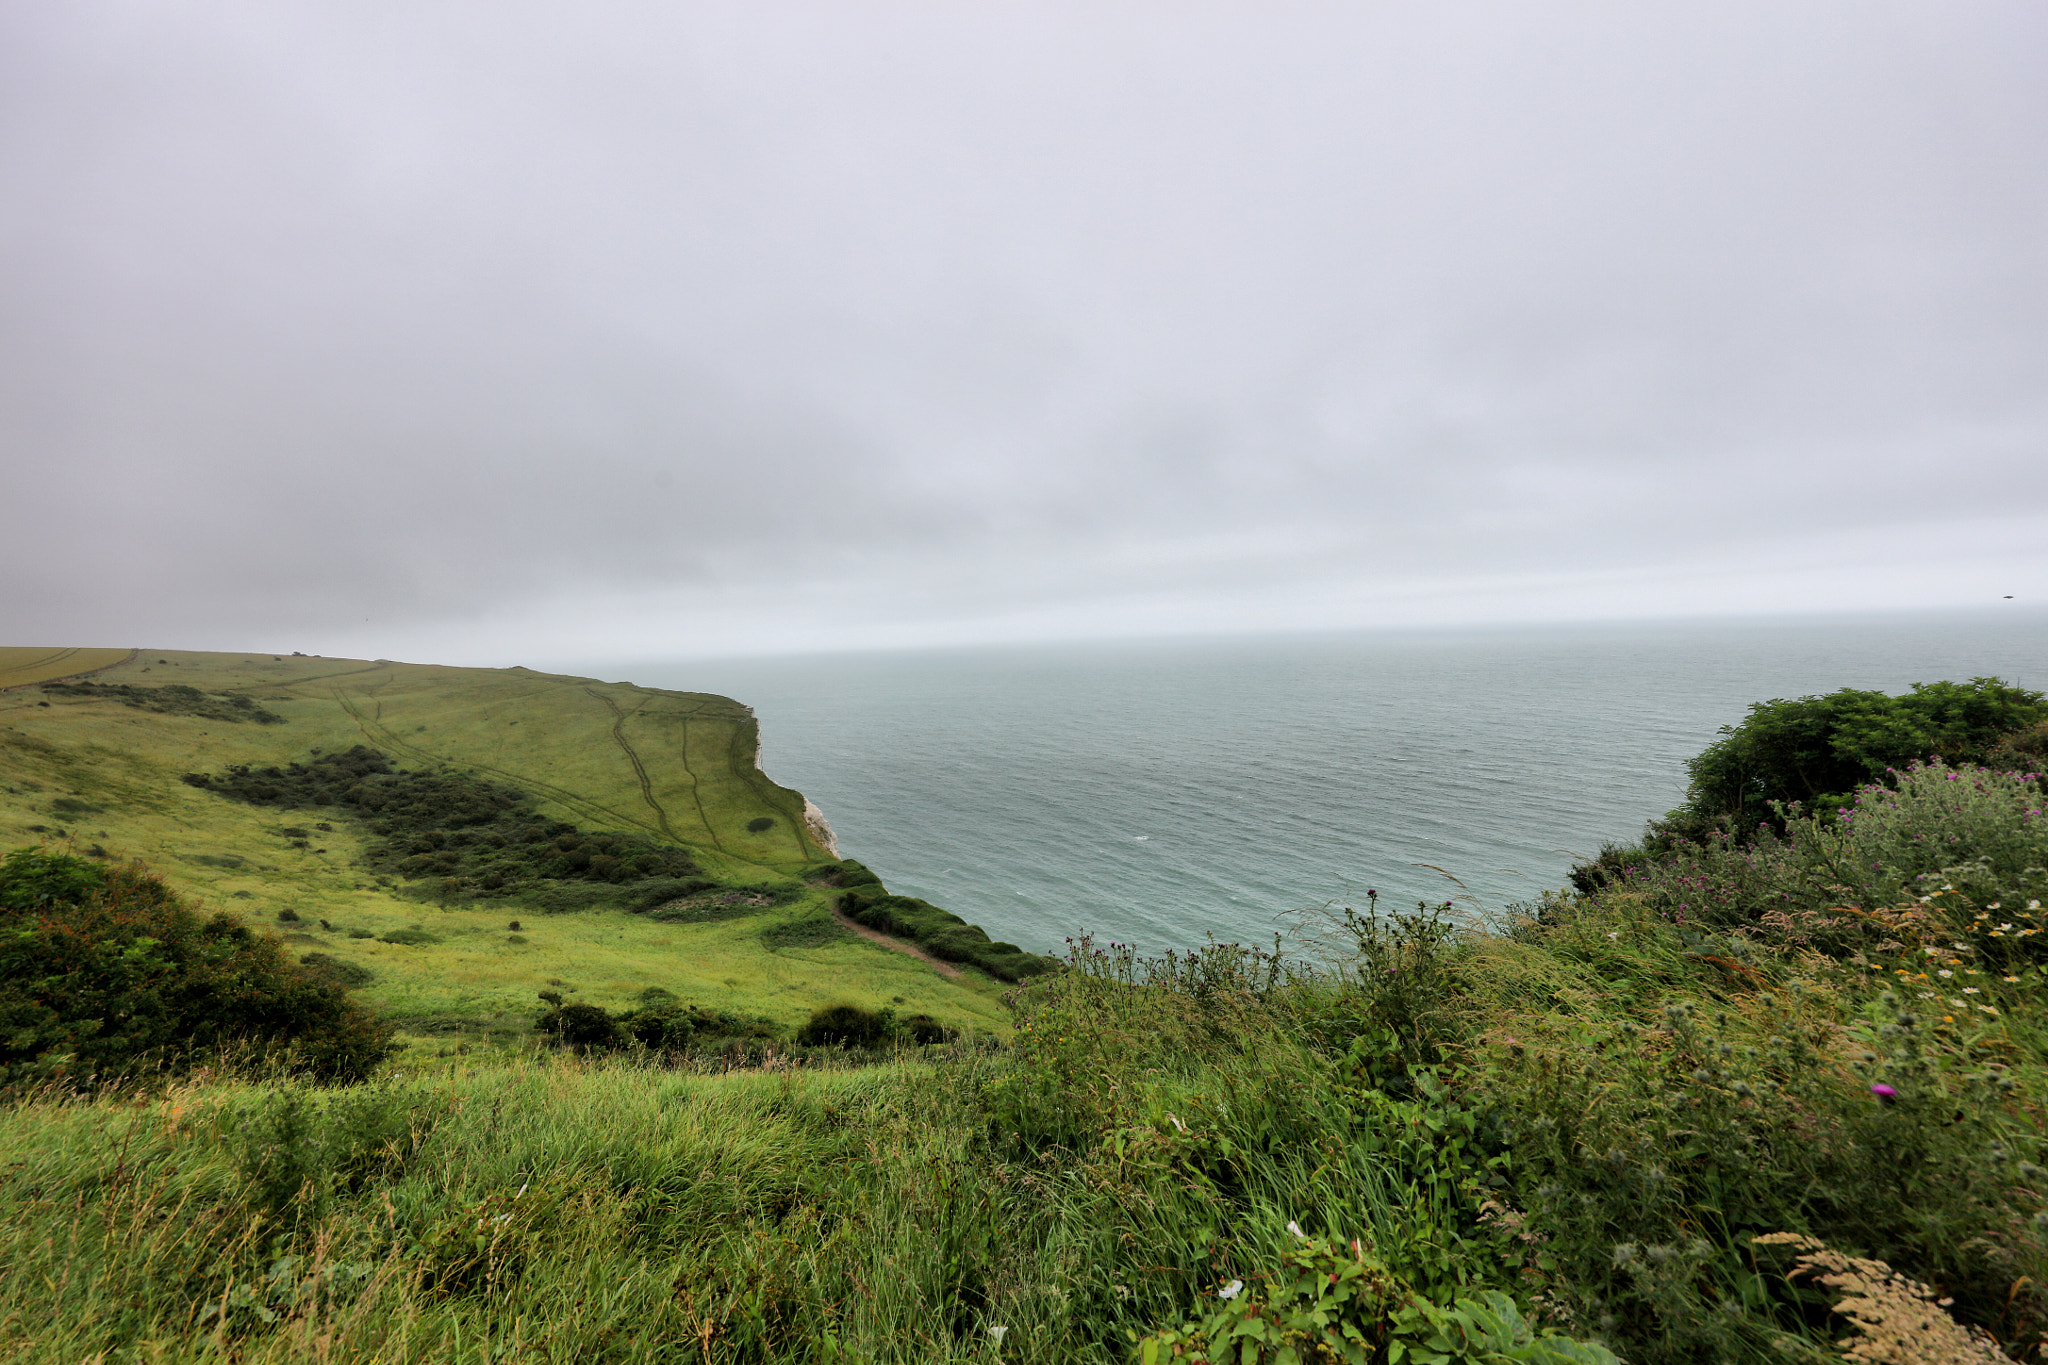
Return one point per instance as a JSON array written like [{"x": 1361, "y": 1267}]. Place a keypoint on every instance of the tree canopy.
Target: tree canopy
[{"x": 1817, "y": 749}]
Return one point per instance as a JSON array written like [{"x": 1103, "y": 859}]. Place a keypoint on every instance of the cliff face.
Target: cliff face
[{"x": 822, "y": 832}]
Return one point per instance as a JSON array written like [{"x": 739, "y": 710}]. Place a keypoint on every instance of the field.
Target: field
[
  {"x": 22, "y": 666},
  {"x": 98, "y": 770}
]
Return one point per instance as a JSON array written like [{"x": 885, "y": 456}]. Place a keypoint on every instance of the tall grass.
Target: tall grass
[{"x": 1600, "y": 1120}]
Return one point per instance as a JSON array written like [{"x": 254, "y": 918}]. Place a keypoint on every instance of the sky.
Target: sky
[{"x": 502, "y": 332}]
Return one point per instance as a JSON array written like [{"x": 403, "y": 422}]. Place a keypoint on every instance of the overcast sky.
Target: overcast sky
[{"x": 504, "y": 332}]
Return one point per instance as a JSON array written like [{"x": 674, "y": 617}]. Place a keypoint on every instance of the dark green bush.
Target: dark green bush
[
  {"x": 666, "y": 1024},
  {"x": 460, "y": 836},
  {"x": 107, "y": 974},
  {"x": 939, "y": 932},
  {"x": 760, "y": 823},
  {"x": 175, "y": 699},
  {"x": 581, "y": 1026},
  {"x": 846, "y": 1026},
  {"x": 1816, "y": 749},
  {"x": 925, "y": 1031}
]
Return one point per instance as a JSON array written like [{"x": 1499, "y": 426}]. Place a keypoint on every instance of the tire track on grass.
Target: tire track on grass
[
  {"x": 640, "y": 769},
  {"x": 894, "y": 945},
  {"x": 57, "y": 658},
  {"x": 593, "y": 811}
]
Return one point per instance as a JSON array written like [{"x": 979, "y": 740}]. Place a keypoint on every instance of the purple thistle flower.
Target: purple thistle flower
[{"x": 1885, "y": 1094}]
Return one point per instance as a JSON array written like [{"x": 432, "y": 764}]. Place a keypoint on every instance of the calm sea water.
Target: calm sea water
[{"x": 1154, "y": 793}]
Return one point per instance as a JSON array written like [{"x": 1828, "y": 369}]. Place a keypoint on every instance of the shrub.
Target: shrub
[
  {"x": 583, "y": 1027},
  {"x": 760, "y": 823},
  {"x": 106, "y": 974},
  {"x": 175, "y": 699},
  {"x": 925, "y": 1031},
  {"x": 846, "y": 1026},
  {"x": 463, "y": 835},
  {"x": 939, "y": 932},
  {"x": 1812, "y": 749}
]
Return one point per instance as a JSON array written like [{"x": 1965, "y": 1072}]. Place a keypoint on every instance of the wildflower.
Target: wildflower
[
  {"x": 1969, "y": 990},
  {"x": 997, "y": 1333},
  {"x": 1231, "y": 1290},
  {"x": 1295, "y": 1228},
  {"x": 1885, "y": 1094},
  {"x": 1988, "y": 1009},
  {"x": 1944, "y": 972}
]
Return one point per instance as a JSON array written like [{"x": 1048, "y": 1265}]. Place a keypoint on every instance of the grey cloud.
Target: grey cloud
[{"x": 466, "y": 319}]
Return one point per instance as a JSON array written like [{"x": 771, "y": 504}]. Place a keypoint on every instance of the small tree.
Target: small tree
[{"x": 106, "y": 974}]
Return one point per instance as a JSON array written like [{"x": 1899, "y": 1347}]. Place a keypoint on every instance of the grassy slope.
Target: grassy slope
[{"x": 673, "y": 766}]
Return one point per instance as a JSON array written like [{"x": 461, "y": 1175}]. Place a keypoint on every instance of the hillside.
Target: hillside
[{"x": 96, "y": 747}]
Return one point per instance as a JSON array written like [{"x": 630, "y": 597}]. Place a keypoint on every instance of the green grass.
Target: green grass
[
  {"x": 1610, "y": 1118},
  {"x": 84, "y": 773},
  {"x": 21, "y": 666}
]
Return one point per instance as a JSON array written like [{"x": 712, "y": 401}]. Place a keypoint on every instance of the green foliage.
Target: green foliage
[
  {"x": 939, "y": 932},
  {"x": 468, "y": 836},
  {"x": 1815, "y": 749},
  {"x": 176, "y": 699},
  {"x": 1434, "y": 1144},
  {"x": 1974, "y": 835},
  {"x": 106, "y": 975},
  {"x": 1329, "y": 1303},
  {"x": 31, "y": 880},
  {"x": 663, "y": 1024},
  {"x": 846, "y": 1025},
  {"x": 581, "y": 1026},
  {"x": 760, "y": 824}
]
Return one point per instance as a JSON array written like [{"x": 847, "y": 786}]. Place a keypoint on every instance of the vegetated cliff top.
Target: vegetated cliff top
[{"x": 162, "y": 755}]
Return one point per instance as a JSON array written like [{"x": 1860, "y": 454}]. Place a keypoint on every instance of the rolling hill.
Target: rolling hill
[{"x": 204, "y": 766}]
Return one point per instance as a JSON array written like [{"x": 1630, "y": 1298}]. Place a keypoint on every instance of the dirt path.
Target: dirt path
[{"x": 945, "y": 969}]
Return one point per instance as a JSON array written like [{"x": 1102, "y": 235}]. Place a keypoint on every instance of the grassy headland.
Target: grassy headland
[
  {"x": 99, "y": 765},
  {"x": 1761, "y": 1098}
]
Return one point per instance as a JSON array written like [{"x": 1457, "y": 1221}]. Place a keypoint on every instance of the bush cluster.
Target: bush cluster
[
  {"x": 941, "y": 933},
  {"x": 472, "y": 836},
  {"x": 106, "y": 975},
  {"x": 1816, "y": 749},
  {"x": 663, "y": 1023},
  {"x": 175, "y": 699}
]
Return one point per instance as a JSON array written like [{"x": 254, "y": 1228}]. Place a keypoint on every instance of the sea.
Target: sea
[{"x": 1162, "y": 792}]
